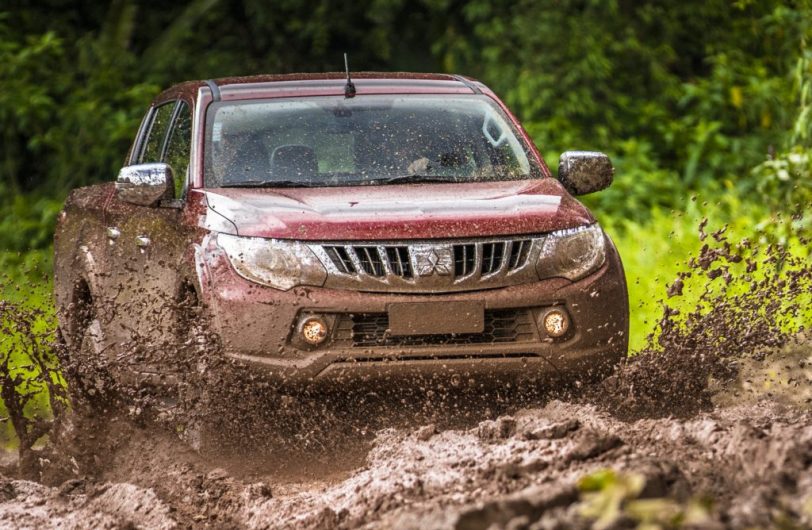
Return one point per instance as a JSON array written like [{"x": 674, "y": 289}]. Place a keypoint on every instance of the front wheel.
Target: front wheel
[{"x": 82, "y": 354}]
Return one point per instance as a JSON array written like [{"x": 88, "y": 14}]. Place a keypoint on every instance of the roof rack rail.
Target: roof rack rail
[
  {"x": 215, "y": 90},
  {"x": 475, "y": 89}
]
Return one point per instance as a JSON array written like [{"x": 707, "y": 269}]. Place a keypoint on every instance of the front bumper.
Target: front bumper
[{"x": 257, "y": 326}]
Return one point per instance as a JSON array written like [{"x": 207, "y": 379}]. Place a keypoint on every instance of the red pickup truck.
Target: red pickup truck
[{"x": 405, "y": 228}]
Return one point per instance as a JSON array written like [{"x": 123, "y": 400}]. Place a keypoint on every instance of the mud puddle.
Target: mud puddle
[
  {"x": 730, "y": 467},
  {"x": 743, "y": 462}
]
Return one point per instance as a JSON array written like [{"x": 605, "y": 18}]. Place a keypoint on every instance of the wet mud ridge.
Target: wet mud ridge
[{"x": 732, "y": 467}]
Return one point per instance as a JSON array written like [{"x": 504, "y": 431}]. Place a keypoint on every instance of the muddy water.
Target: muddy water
[{"x": 710, "y": 426}]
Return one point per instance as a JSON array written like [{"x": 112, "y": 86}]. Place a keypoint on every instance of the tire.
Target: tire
[
  {"x": 82, "y": 354},
  {"x": 185, "y": 401}
]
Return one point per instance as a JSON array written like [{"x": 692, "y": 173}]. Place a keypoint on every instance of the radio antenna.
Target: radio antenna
[{"x": 349, "y": 88}]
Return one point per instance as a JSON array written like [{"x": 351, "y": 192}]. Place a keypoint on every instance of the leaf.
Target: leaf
[{"x": 736, "y": 96}]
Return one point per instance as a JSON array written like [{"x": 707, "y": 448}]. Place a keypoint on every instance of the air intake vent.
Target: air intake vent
[
  {"x": 341, "y": 259},
  {"x": 370, "y": 329},
  {"x": 492, "y": 256},
  {"x": 399, "y": 261},
  {"x": 464, "y": 260},
  {"x": 370, "y": 260},
  {"x": 519, "y": 251}
]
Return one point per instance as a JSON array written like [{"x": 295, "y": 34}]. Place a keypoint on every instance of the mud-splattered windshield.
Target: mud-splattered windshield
[{"x": 333, "y": 141}]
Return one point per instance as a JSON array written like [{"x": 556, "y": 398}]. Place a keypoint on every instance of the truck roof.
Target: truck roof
[{"x": 302, "y": 83}]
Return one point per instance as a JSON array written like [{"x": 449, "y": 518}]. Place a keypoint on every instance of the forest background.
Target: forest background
[{"x": 704, "y": 106}]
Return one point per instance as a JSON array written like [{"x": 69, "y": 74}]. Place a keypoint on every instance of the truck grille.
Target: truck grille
[
  {"x": 341, "y": 259},
  {"x": 369, "y": 329},
  {"x": 464, "y": 259},
  {"x": 432, "y": 266}
]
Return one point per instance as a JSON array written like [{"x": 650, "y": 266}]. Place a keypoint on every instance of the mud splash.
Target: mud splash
[
  {"x": 709, "y": 426},
  {"x": 747, "y": 300}
]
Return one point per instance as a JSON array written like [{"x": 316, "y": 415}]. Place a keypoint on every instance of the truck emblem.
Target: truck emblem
[{"x": 434, "y": 260}]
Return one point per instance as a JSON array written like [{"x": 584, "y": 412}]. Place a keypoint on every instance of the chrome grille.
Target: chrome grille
[
  {"x": 370, "y": 260},
  {"x": 399, "y": 261},
  {"x": 340, "y": 258},
  {"x": 369, "y": 329},
  {"x": 430, "y": 266},
  {"x": 464, "y": 259}
]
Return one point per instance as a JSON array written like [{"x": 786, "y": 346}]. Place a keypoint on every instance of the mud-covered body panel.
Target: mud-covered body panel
[
  {"x": 414, "y": 211},
  {"x": 79, "y": 245}
]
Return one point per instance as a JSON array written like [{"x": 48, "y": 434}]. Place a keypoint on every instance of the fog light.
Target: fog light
[
  {"x": 313, "y": 330},
  {"x": 556, "y": 322}
]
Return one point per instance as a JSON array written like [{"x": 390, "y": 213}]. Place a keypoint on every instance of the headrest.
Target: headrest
[
  {"x": 248, "y": 160},
  {"x": 294, "y": 162}
]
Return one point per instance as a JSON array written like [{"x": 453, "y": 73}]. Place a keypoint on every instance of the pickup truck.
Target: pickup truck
[{"x": 407, "y": 228}]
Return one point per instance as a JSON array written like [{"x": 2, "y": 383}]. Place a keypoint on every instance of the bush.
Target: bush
[{"x": 27, "y": 222}]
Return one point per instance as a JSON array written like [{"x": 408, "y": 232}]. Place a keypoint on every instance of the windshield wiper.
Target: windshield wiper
[
  {"x": 269, "y": 184},
  {"x": 405, "y": 179},
  {"x": 400, "y": 179}
]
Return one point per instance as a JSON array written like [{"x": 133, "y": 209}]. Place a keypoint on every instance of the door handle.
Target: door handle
[
  {"x": 113, "y": 233},
  {"x": 142, "y": 241}
]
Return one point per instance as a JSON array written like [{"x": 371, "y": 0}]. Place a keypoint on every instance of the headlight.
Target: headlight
[
  {"x": 572, "y": 253},
  {"x": 274, "y": 262}
]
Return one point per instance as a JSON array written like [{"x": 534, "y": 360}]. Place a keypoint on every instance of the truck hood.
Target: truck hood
[{"x": 394, "y": 212}]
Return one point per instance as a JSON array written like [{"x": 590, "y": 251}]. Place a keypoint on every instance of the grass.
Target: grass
[
  {"x": 25, "y": 279},
  {"x": 655, "y": 253}
]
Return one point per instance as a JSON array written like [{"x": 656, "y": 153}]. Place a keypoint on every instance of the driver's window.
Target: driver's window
[
  {"x": 178, "y": 150},
  {"x": 154, "y": 142}
]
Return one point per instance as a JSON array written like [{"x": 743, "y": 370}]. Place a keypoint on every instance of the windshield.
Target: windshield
[{"x": 334, "y": 141}]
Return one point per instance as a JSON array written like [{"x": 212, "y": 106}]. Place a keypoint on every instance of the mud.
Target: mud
[
  {"x": 746, "y": 465},
  {"x": 709, "y": 427}
]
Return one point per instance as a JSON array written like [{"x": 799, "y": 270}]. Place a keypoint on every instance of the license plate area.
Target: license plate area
[{"x": 436, "y": 318}]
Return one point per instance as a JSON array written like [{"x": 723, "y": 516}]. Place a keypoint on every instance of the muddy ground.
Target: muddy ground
[{"x": 744, "y": 461}]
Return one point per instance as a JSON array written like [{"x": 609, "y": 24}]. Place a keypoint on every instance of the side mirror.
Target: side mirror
[
  {"x": 583, "y": 172},
  {"x": 145, "y": 184}
]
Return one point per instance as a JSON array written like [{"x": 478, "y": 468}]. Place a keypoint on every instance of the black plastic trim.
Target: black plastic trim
[
  {"x": 475, "y": 89},
  {"x": 215, "y": 90}
]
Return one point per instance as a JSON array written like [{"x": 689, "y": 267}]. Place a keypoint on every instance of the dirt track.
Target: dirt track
[{"x": 747, "y": 461}]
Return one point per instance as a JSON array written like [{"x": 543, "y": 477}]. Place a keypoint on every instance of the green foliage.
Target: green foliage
[
  {"x": 608, "y": 497},
  {"x": 26, "y": 277},
  {"x": 685, "y": 96},
  {"x": 31, "y": 386},
  {"x": 26, "y": 302},
  {"x": 64, "y": 127},
  {"x": 655, "y": 253},
  {"x": 787, "y": 178},
  {"x": 28, "y": 222}
]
